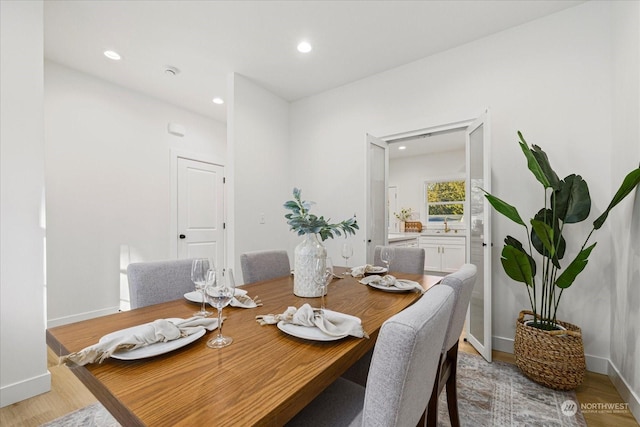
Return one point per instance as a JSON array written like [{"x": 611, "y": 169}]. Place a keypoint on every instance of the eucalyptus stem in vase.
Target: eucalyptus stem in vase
[{"x": 304, "y": 223}]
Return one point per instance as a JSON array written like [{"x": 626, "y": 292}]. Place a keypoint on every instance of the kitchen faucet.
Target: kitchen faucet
[{"x": 446, "y": 226}]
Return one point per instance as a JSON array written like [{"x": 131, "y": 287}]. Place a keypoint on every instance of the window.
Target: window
[{"x": 444, "y": 199}]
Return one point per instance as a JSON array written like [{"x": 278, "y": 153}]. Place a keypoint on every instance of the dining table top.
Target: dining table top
[{"x": 264, "y": 377}]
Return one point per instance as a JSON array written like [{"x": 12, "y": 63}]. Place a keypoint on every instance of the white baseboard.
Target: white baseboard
[
  {"x": 625, "y": 390},
  {"x": 22, "y": 390},
  {"x": 81, "y": 316},
  {"x": 597, "y": 364}
]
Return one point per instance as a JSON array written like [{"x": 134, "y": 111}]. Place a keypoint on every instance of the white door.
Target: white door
[
  {"x": 392, "y": 197},
  {"x": 200, "y": 213},
  {"x": 377, "y": 205},
  {"x": 479, "y": 234}
]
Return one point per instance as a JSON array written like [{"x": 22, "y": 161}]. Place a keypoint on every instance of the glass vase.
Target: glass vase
[{"x": 304, "y": 258}]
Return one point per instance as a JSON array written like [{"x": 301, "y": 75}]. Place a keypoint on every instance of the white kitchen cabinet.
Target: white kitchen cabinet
[
  {"x": 445, "y": 254},
  {"x": 407, "y": 243}
]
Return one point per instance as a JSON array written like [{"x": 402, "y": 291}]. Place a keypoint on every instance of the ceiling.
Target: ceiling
[
  {"x": 208, "y": 40},
  {"x": 430, "y": 143}
]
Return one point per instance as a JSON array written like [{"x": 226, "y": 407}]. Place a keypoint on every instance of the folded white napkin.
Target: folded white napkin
[
  {"x": 161, "y": 330},
  {"x": 331, "y": 323},
  {"x": 390, "y": 281},
  {"x": 361, "y": 270}
]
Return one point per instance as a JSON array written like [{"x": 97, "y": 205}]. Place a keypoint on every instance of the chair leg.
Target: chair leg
[
  {"x": 452, "y": 392},
  {"x": 432, "y": 407}
]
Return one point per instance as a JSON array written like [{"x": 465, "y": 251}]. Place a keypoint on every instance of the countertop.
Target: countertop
[{"x": 398, "y": 237}]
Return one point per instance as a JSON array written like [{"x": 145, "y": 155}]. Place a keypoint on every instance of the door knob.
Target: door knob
[{"x": 182, "y": 236}]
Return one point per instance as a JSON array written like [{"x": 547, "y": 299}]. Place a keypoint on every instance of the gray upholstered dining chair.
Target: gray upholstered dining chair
[
  {"x": 461, "y": 282},
  {"x": 403, "y": 368},
  {"x": 158, "y": 281},
  {"x": 264, "y": 265},
  {"x": 405, "y": 260}
]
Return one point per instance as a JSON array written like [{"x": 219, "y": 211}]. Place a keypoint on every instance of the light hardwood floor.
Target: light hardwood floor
[{"x": 68, "y": 394}]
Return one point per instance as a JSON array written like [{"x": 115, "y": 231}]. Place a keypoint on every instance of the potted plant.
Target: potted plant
[
  {"x": 545, "y": 354},
  {"x": 403, "y": 216},
  {"x": 304, "y": 223}
]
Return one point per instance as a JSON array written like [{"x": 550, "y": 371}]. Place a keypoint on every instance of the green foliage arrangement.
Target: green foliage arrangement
[
  {"x": 566, "y": 201},
  {"x": 404, "y": 214},
  {"x": 303, "y": 222}
]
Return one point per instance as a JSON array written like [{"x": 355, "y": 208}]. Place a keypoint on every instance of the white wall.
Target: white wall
[
  {"x": 259, "y": 156},
  {"x": 625, "y": 317},
  {"x": 408, "y": 174},
  {"x": 550, "y": 78},
  {"x": 108, "y": 185},
  {"x": 23, "y": 357}
]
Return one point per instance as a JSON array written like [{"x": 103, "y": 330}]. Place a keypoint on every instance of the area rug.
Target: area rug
[
  {"x": 498, "y": 394},
  {"x": 489, "y": 394}
]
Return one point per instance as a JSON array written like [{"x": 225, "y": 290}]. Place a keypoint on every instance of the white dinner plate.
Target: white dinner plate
[
  {"x": 375, "y": 270},
  {"x": 152, "y": 349},
  {"x": 393, "y": 288},
  {"x": 196, "y": 296},
  {"x": 312, "y": 332}
]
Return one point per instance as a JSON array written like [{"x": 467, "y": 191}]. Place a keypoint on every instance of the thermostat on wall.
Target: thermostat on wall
[{"x": 176, "y": 129}]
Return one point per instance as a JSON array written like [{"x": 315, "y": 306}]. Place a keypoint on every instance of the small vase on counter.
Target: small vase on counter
[{"x": 402, "y": 226}]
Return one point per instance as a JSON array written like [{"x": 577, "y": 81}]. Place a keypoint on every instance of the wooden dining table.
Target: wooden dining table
[{"x": 264, "y": 377}]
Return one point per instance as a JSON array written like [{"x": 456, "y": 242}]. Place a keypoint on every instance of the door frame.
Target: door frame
[{"x": 174, "y": 155}]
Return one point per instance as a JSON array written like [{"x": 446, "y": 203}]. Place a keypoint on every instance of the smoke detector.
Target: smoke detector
[{"x": 171, "y": 71}]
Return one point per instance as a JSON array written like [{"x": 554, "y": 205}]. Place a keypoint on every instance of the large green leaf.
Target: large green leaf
[
  {"x": 546, "y": 216},
  {"x": 545, "y": 234},
  {"x": 571, "y": 201},
  {"x": 543, "y": 161},
  {"x": 628, "y": 184},
  {"x": 517, "y": 265},
  {"x": 538, "y": 164},
  {"x": 512, "y": 241},
  {"x": 577, "y": 265},
  {"x": 504, "y": 208}
]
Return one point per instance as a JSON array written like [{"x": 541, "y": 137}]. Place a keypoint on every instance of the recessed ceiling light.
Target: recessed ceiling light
[
  {"x": 304, "y": 47},
  {"x": 218, "y": 101},
  {"x": 402, "y": 147},
  {"x": 111, "y": 54}
]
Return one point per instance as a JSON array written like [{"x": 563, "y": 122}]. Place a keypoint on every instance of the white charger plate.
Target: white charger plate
[
  {"x": 393, "y": 288},
  {"x": 153, "y": 349},
  {"x": 196, "y": 296},
  {"x": 311, "y": 332}
]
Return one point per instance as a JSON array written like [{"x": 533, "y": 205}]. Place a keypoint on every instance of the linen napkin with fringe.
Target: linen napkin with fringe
[
  {"x": 331, "y": 323},
  {"x": 160, "y": 330}
]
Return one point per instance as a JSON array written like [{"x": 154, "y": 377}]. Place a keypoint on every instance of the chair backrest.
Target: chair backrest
[
  {"x": 159, "y": 281},
  {"x": 405, "y": 260},
  {"x": 405, "y": 361},
  {"x": 461, "y": 282},
  {"x": 264, "y": 265}
]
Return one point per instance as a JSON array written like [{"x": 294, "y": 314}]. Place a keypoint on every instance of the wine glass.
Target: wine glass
[
  {"x": 199, "y": 269},
  {"x": 386, "y": 255},
  {"x": 347, "y": 252},
  {"x": 220, "y": 289},
  {"x": 323, "y": 274}
]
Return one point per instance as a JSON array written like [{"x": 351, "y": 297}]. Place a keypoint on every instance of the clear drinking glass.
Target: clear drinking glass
[
  {"x": 347, "y": 252},
  {"x": 323, "y": 275},
  {"x": 386, "y": 255},
  {"x": 199, "y": 269},
  {"x": 220, "y": 289}
]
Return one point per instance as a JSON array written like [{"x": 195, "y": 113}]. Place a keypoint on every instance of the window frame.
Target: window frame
[{"x": 458, "y": 221}]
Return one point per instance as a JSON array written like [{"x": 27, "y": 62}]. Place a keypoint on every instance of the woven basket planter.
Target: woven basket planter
[{"x": 554, "y": 359}]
